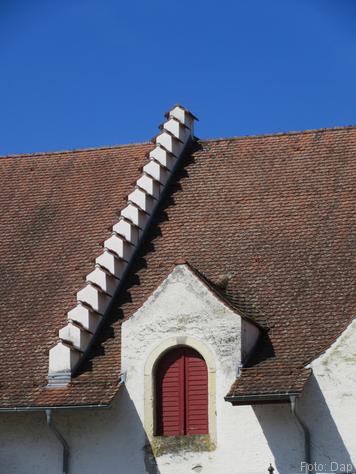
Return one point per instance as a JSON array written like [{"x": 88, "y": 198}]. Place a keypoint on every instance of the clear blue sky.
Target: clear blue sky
[{"x": 83, "y": 73}]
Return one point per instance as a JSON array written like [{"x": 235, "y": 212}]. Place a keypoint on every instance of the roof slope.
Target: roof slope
[
  {"x": 273, "y": 213},
  {"x": 55, "y": 210}
]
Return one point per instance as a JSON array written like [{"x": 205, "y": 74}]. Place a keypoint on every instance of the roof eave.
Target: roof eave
[
  {"x": 38, "y": 408},
  {"x": 265, "y": 398}
]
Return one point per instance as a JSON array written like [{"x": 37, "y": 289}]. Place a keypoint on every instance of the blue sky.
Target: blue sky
[{"x": 83, "y": 73}]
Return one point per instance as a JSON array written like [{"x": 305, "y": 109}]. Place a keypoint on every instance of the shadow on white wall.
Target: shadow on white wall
[{"x": 285, "y": 438}]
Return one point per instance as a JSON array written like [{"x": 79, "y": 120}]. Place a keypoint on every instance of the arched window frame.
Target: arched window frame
[{"x": 149, "y": 381}]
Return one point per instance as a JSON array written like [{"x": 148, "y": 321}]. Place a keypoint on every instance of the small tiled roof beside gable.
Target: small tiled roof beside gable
[{"x": 270, "y": 215}]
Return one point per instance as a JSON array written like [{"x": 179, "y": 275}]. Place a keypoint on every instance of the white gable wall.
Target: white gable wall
[
  {"x": 184, "y": 306},
  {"x": 113, "y": 441},
  {"x": 329, "y": 402}
]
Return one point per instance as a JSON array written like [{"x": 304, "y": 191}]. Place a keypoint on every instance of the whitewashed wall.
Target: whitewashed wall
[
  {"x": 329, "y": 403},
  {"x": 248, "y": 438}
]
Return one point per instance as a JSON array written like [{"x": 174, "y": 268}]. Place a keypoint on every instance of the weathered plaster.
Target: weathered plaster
[
  {"x": 184, "y": 311},
  {"x": 113, "y": 441},
  {"x": 329, "y": 403},
  {"x": 248, "y": 438}
]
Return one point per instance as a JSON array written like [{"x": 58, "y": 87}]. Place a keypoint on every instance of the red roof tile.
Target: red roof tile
[
  {"x": 56, "y": 209},
  {"x": 272, "y": 212}
]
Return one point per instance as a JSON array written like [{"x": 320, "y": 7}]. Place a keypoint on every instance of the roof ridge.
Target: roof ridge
[
  {"x": 74, "y": 150},
  {"x": 279, "y": 134},
  {"x": 203, "y": 140}
]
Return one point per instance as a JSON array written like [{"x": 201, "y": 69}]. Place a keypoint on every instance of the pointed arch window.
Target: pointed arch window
[{"x": 181, "y": 393}]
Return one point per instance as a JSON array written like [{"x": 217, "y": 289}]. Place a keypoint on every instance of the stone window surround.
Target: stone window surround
[{"x": 149, "y": 381}]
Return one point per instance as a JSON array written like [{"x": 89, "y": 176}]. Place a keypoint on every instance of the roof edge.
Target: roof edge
[
  {"x": 280, "y": 397},
  {"x": 280, "y": 134},
  {"x": 37, "y": 408},
  {"x": 72, "y": 150},
  {"x": 216, "y": 293},
  {"x": 202, "y": 140}
]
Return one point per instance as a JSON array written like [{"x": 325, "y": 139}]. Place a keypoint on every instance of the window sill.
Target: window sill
[{"x": 179, "y": 444}]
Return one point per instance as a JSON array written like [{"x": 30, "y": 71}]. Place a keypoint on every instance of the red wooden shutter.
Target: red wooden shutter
[
  {"x": 196, "y": 394},
  {"x": 170, "y": 394},
  {"x": 181, "y": 393}
]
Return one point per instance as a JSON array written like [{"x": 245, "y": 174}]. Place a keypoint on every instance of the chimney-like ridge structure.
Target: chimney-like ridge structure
[{"x": 93, "y": 300}]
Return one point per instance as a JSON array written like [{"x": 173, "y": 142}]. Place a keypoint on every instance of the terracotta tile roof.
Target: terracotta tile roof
[
  {"x": 55, "y": 211},
  {"x": 271, "y": 213},
  {"x": 218, "y": 291}
]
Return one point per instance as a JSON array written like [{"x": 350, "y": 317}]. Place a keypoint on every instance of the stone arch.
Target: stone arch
[{"x": 149, "y": 382}]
